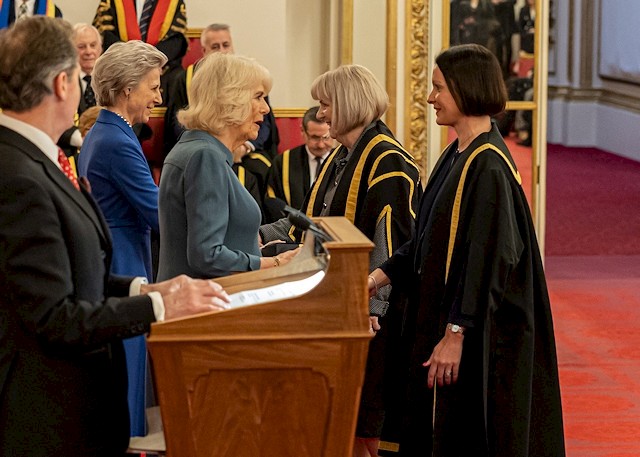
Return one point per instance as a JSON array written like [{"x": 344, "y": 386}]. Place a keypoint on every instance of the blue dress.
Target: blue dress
[{"x": 112, "y": 159}]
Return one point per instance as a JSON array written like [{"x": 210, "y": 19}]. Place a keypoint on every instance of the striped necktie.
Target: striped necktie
[
  {"x": 145, "y": 18},
  {"x": 22, "y": 11}
]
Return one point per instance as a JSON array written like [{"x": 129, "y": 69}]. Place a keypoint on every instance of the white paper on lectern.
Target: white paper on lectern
[{"x": 281, "y": 291}]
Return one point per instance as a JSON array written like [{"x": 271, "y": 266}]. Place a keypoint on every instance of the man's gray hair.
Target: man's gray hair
[
  {"x": 215, "y": 27},
  {"x": 81, "y": 26}
]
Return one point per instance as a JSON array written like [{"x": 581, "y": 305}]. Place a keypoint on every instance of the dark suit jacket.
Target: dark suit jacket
[
  {"x": 62, "y": 370},
  {"x": 65, "y": 140}
]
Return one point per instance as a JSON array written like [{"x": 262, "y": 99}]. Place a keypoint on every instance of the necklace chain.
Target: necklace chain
[
  {"x": 123, "y": 118},
  {"x": 460, "y": 143}
]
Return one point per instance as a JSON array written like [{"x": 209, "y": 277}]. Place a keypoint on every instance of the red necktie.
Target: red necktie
[{"x": 66, "y": 168}]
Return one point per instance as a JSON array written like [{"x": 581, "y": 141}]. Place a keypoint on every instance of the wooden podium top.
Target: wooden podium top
[
  {"x": 281, "y": 377},
  {"x": 282, "y": 317}
]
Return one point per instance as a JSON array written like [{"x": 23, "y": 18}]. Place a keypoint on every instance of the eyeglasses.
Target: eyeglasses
[{"x": 317, "y": 139}]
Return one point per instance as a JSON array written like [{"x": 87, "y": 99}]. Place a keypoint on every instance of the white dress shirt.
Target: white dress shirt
[{"x": 31, "y": 6}]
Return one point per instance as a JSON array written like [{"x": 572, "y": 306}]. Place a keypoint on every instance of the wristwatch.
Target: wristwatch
[{"x": 455, "y": 328}]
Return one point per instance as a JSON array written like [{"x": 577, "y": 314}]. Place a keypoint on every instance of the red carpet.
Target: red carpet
[
  {"x": 593, "y": 203},
  {"x": 596, "y": 309},
  {"x": 593, "y": 271}
]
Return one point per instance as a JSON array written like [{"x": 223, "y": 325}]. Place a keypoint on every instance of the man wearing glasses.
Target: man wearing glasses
[{"x": 293, "y": 172}]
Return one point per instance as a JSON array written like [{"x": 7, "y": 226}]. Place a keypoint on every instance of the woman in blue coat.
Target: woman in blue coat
[{"x": 126, "y": 81}]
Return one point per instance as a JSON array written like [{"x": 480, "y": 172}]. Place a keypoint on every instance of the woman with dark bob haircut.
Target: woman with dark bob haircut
[
  {"x": 475, "y": 92},
  {"x": 483, "y": 375}
]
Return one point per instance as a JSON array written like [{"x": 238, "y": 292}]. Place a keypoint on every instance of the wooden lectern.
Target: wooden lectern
[{"x": 277, "y": 379}]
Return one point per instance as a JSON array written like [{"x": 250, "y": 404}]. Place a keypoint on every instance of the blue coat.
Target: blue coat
[
  {"x": 112, "y": 159},
  {"x": 208, "y": 221}
]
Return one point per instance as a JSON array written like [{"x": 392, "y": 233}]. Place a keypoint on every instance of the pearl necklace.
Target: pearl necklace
[{"x": 123, "y": 118}]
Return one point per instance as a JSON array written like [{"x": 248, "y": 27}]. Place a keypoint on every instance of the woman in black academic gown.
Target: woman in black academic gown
[
  {"x": 371, "y": 180},
  {"x": 483, "y": 377}
]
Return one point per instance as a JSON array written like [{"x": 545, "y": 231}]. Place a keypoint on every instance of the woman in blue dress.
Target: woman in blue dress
[{"x": 126, "y": 81}]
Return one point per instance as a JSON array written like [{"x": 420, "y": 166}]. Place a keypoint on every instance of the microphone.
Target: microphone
[{"x": 297, "y": 218}]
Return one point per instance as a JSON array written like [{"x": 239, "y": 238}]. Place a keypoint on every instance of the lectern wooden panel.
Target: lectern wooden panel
[{"x": 277, "y": 379}]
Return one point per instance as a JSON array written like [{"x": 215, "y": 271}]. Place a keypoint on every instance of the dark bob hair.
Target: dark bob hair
[{"x": 474, "y": 78}]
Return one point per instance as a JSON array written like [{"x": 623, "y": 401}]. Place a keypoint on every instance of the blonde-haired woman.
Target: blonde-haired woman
[
  {"x": 372, "y": 181},
  {"x": 126, "y": 82},
  {"x": 208, "y": 221}
]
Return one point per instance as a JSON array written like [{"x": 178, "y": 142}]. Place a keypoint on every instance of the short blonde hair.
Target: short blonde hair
[
  {"x": 221, "y": 91},
  {"x": 123, "y": 65},
  {"x": 356, "y": 97}
]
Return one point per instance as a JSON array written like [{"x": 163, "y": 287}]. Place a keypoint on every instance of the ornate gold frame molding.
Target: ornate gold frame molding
[{"x": 416, "y": 85}]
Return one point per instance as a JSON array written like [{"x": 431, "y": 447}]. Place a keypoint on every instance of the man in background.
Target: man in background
[
  {"x": 216, "y": 38},
  {"x": 88, "y": 42},
  {"x": 293, "y": 172},
  {"x": 63, "y": 380},
  {"x": 252, "y": 160},
  {"x": 161, "y": 23}
]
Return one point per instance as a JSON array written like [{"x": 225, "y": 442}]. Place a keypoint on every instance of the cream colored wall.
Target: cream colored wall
[
  {"x": 586, "y": 109},
  {"x": 369, "y": 35},
  {"x": 289, "y": 37}
]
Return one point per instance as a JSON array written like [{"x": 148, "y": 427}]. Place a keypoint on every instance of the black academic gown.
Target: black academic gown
[
  {"x": 258, "y": 165},
  {"x": 171, "y": 41},
  {"x": 379, "y": 192},
  {"x": 111, "y": 19},
  {"x": 250, "y": 182},
  {"x": 289, "y": 177},
  {"x": 380, "y": 180},
  {"x": 486, "y": 273}
]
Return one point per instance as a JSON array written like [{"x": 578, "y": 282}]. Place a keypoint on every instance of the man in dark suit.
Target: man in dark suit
[
  {"x": 88, "y": 42},
  {"x": 19, "y": 9},
  {"x": 293, "y": 172},
  {"x": 63, "y": 379}
]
